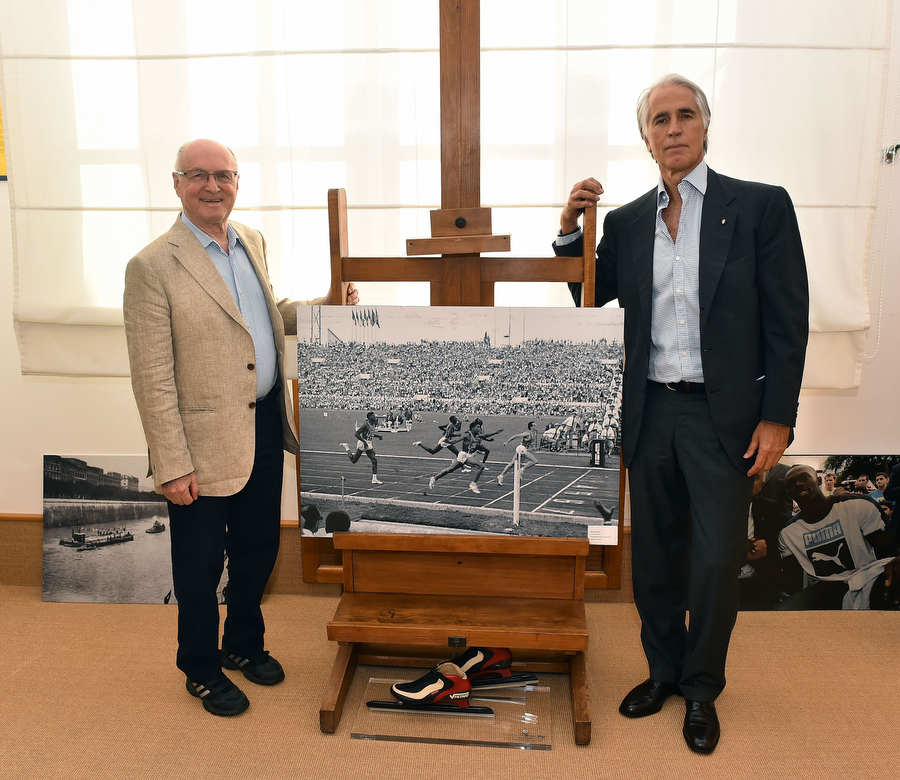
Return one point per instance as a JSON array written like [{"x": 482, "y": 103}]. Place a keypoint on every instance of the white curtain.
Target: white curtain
[{"x": 98, "y": 94}]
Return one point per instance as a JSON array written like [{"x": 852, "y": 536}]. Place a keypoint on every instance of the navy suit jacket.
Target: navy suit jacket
[{"x": 754, "y": 305}]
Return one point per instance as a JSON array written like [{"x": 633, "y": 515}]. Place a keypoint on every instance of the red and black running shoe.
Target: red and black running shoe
[
  {"x": 479, "y": 661},
  {"x": 445, "y": 683}
]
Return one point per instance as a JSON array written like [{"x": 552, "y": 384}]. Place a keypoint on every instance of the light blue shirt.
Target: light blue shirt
[
  {"x": 241, "y": 280},
  {"x": 675, "y": 317}
]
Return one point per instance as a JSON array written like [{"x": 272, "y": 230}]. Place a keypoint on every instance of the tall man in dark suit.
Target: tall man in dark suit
[{"x": 711, "y": 274}]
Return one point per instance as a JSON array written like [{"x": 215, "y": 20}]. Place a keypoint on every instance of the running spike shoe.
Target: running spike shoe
[{"x": 445, "y": 682}]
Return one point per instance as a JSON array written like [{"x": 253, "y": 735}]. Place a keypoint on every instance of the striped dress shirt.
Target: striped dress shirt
[{"x": 675, "y": 318}]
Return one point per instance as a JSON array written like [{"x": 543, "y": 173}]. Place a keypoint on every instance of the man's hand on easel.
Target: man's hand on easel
[{"x": 584, "y": 193}]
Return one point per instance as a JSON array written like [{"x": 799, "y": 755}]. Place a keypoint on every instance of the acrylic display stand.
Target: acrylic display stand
[{"x": 521, "y": 718}]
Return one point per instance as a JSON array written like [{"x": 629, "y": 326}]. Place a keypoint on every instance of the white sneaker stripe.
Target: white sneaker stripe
[
  {"x": 426, "y": 691},
  {"x": 476, "y": 659}
]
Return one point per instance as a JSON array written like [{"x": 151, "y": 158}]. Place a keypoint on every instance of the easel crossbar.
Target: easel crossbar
[{"x": 493, "y": 269}]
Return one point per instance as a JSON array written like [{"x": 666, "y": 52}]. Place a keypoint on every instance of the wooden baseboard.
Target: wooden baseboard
[{"x": 21, "y": 538}]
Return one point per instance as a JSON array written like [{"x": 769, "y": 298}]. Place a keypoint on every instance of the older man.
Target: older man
[
  {"x": 206, "y": 340},
  {"x": 711, "y": 274}
]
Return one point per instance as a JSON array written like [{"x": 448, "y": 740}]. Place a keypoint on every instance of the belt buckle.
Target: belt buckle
[{"x": 668, "y": 386}]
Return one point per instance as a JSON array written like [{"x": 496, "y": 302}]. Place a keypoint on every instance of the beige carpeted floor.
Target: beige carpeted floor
[{"x": 91, "y": 691}]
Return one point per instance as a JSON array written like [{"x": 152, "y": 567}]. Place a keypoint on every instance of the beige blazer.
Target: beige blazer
[{"x": 192, "y": 360}]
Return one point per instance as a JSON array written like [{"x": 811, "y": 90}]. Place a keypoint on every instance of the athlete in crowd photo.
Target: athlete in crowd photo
[
  {"x": 364, "y": 435},
  {"x": 451, "y": 429},
  {"x": 529, "y": 441},
  {"x": 471, "y": 443},
  {"x": 841, "y": 544}
]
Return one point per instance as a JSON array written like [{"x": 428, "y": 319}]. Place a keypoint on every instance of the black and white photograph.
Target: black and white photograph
[
  {"x": 822, "y": 534},
  {"x": 460, "y": 420},
  {"x": 106, "y": 532}
]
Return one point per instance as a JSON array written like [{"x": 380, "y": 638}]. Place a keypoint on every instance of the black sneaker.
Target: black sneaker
[
  {"x": 261, "y": 668},
  {"x": 220, "y": 696}
]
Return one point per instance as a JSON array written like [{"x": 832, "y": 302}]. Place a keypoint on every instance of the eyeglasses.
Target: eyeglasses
[{"x": 199, "y": 176}]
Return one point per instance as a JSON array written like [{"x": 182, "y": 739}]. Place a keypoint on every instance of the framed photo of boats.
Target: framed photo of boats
[{"x": 106, "y": 534}]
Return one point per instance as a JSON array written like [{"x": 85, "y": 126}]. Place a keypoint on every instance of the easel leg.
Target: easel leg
[
  {"x": 581, "y": 699},
  {"x": 338, "y": 685}
]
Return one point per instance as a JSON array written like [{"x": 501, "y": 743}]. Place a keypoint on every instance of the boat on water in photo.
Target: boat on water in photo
[
  {"x": 156, "y": 528},
  {"x": 91, "y": 540}
]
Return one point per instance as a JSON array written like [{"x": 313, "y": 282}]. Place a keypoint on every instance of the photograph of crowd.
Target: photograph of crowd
[
  {"x": 460, "y": 420},
  {"x": 822, "y": 534}
]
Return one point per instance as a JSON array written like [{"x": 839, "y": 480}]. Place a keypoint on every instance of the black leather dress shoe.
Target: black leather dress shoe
[
  {"x": 701, "y": 726},
  {"x": 645, "y": 699}
]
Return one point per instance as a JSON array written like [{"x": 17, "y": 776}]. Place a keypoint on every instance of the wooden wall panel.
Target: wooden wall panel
[{"x": 21, "y": 538}]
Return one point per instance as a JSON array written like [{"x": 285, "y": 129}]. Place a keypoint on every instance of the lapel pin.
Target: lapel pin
[{"x": 723, "y": 220}]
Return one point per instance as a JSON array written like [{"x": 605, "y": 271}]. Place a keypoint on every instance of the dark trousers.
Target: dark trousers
[
  {"x": 246, "y": 527},
  {"x": 689, "y": 505}
]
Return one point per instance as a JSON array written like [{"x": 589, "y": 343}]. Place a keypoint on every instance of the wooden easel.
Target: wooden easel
[{"x": 407, "y": 597}]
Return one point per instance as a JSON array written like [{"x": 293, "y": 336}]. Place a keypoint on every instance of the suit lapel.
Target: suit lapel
[
  {"x": 192, "y": 255},
  {"x": 717, "y": 223},
  {"x": 643, "y": 234}
]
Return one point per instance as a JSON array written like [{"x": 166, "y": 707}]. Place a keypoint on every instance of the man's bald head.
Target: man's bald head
[{"x": 199, "y": 146}]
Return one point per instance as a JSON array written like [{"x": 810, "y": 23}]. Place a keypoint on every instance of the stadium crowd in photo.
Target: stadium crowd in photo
[{"x": 460, "y": 411}]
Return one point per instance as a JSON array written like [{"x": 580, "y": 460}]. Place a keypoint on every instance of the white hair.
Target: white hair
[{"x": 643, "y": 105}]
